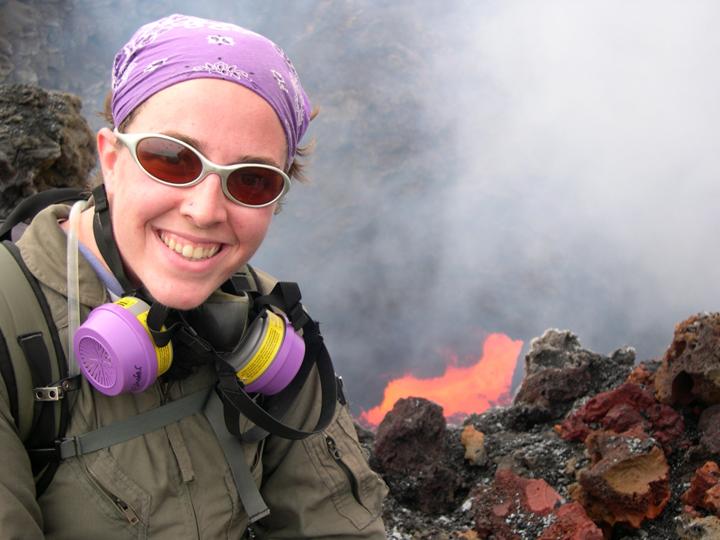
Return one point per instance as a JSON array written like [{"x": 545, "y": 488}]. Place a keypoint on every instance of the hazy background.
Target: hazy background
[{"x": 481, "y": 166}]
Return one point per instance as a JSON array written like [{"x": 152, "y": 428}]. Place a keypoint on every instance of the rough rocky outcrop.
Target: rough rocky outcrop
[
  {"x": 558, "y": 371},
  {"x": 45, "y": 142},
  {"x": 704, "y": 491},
  {"x": 616, "y": 465},
  {"x": 690, "y": 370},
  {"x": 516, "y": 507},
  {"x": 627, "y": 409},
  {"x": 412, "y": 451},
  {"x": 627, "y": 480}
]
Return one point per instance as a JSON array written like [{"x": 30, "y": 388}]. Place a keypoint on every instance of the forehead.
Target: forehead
[{"x": 225, "y": 118}]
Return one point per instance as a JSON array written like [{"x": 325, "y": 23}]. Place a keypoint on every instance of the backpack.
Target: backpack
[{"x": 32, "y": 360}]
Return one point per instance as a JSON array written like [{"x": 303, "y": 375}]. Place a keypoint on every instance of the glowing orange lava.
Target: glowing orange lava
[{"x": 460, "y": 390}]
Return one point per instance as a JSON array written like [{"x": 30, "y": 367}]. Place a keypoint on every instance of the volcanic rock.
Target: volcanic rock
[
  {"x": 44, "y": 142},
  {"x": 558, "y": 371},
  {"x": 709, "y": 427},
  {"x": 628, "y": 408},
  {"x": 572, "y": 523},
  {"x": 413, "y": 453},
  {"x": 627, "y": 480},
  {"x": 690, "y": 370},
  {"x": 704, "y": 491},
  {"x": 643, "y": 374},
  {"x": 513, "y": 504},
  {"x": 706, "y": 528},
  {"x": 474, "y": 443}
]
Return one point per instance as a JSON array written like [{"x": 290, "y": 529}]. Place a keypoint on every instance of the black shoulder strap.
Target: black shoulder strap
[
  {"x": 242, "y": 281},
  {"x": 31, "y": 358},
  {"x": 34, "y": 203},
  {"x": 102, "y": 229}
]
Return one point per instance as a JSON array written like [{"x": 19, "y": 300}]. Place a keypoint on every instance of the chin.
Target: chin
[{"x": 182, "y": 300}]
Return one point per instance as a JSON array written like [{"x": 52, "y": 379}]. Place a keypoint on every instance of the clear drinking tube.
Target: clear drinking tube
[{"x": 73, "y": 285}]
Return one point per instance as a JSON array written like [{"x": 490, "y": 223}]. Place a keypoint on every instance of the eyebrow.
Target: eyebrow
[{"x": 242, "y": 159}]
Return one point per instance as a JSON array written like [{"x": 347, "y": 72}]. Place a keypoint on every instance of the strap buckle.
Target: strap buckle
[
  {"x": 57, "y": 391},
  {"x": 48, "y": 393},
  {"x": 61, "y": 449}
]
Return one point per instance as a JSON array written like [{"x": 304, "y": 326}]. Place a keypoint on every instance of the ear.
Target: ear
[{"x": 108, "y": 149}]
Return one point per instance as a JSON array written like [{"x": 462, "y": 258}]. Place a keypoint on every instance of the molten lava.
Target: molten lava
[{"x": 460, "y": 390}]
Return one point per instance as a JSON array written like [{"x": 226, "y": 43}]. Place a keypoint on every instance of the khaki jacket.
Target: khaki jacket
[{"x": 175, "y": 483}]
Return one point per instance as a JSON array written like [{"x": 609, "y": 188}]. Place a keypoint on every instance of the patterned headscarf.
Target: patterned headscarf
[{"x": 179, "y": 48}]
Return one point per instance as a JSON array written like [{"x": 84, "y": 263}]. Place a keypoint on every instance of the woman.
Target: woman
[{"x": 207, "y": 118}]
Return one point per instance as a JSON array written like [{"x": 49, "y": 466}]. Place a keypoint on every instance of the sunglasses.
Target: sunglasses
[{"x": 175, "y": 163}]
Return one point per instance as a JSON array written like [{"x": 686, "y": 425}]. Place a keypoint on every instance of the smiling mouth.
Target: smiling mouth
[{"x": 189, "y": 250}]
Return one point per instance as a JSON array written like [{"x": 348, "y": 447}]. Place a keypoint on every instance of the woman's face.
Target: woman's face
[{"x": 228, "y": 124}]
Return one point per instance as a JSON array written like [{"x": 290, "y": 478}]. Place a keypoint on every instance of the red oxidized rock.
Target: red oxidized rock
[
  {"x": 690, "y": 365},
  {"x": 625, "y": 409},
  {"x": 627, "y": 481},
  {"x": 572, "y": 523},
  {"x": 704, "y": 491},
  {"x": 643, "y": 375},
  {"x": 513, "y": 506}
]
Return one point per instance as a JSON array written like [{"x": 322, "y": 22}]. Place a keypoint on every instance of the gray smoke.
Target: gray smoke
[{"x": 482, "y": 167}]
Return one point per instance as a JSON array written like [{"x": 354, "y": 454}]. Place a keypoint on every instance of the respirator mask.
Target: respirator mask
[{"x": 117, "y": 353}]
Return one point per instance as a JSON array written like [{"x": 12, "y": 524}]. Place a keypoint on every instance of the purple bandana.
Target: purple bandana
[{"x": 179, "y": 48}]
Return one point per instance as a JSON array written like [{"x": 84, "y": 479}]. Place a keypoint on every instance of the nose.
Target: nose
[{"x": 205, "y": 203}]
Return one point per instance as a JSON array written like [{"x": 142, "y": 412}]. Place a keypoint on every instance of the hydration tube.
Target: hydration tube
[{"x": 73, "y": 286}]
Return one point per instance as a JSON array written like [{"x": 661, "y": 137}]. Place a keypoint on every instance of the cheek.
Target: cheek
[
  {"x": 251, "y": 224},
  {"x": 134, "y": 202}
]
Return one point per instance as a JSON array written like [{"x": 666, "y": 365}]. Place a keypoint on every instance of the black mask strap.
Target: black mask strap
[
  {"x": 286, "y": 296},
  {"x": 102, "y": 228},
  {"x": 155, "y": 321}
]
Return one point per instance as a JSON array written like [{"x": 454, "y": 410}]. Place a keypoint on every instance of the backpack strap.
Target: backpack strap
[
  {"x": 34, "y": 203},
  {"x": 243, "y": 281},
  {"x": 124, "y": 430},
  {"x": 31, "y": 360},
  {"x": 252, "y": 501}
]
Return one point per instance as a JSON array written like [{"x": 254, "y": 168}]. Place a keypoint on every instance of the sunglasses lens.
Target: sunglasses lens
[
  {"x": 255, "y": 185},
  {"x": 167, "y": 160}
]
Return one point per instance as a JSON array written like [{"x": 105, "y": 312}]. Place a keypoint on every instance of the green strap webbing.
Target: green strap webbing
[
  {"x": 167, "y": 414},
  {"x": 132, "y": 427},
  {"x": 247, "y": 490}
]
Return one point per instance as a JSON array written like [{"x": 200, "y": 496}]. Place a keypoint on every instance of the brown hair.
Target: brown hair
[{"x": 296, "y": 169}]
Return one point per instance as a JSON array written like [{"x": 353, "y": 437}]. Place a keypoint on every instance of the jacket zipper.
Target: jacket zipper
[
  {"x": 337, "y": 456},
  {"x": 125, "y": 509}
]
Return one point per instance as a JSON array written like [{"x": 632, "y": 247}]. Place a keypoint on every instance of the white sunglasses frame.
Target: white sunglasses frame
[{"x": 131, "y": 140}]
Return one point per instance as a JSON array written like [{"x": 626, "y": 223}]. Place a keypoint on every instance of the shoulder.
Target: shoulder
[{"x": 263, "y": 280}]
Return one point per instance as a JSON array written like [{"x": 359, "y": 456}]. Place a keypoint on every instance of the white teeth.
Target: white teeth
[{"x": 187, "y": 250}]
